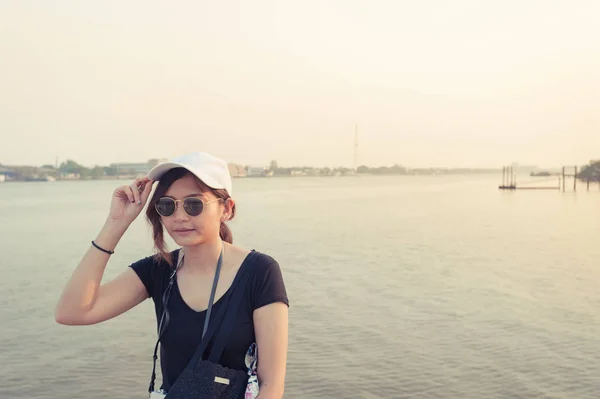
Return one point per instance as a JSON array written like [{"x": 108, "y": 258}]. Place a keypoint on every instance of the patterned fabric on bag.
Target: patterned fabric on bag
[{"x": 251, "y": 360}]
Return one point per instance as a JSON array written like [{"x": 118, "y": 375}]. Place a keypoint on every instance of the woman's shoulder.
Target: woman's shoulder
[
  {"x": 154, "y": 271},
  {"x": 153, "y": 266},
  {"x": 156, "y": 261},
  {"x": 266, "y": 280},
  {"x": 264, "y": 262},
  {"x": 258, "y": 262}
]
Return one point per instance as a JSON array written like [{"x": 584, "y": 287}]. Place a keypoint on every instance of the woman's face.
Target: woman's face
[{"x": 189, "y": 230}]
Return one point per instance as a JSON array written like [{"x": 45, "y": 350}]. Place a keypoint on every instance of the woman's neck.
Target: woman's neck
[{"x": 203, "y": 257}]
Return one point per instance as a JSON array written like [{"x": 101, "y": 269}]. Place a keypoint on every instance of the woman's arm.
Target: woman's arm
[
  {"x": 271, "y": 330},
  {"x": 84, "y": 300}
]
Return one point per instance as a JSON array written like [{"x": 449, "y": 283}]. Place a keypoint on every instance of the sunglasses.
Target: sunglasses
[{"x": 193, "y": 206}]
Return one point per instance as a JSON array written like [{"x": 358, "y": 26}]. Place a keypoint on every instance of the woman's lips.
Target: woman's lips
[{"x": 183, "y": 231}]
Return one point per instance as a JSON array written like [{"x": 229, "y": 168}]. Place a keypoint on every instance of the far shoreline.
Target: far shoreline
[{"x": 439, "y": 173}]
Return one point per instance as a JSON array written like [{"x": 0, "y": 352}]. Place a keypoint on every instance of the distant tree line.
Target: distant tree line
[
  {"x": 590, "y": 172},
  {"x": 64, "y": 170},
  {"x": 72, "y": 167},
  {"x": 383, "y": 170}
]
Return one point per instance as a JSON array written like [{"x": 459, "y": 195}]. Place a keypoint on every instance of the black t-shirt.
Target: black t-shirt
[{"x": 184, "y": 331}]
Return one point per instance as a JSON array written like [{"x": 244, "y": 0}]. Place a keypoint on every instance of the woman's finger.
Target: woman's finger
[
  {"x": 136, "y": 188},
  {"x": 139, "y": 181},
  {"x": 131, "y": 193},
  {"x": 146, "y": 191},
  {"x": 124, "y": 192}
]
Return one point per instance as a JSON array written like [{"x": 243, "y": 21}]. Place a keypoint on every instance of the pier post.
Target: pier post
[{"x": 512, "y": 177}]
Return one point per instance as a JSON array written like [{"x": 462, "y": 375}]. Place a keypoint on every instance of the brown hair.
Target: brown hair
[{"x": 154, "y": 218}]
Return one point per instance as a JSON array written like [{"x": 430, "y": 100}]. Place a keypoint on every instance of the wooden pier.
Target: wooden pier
[{"x": 509, "y": 180}]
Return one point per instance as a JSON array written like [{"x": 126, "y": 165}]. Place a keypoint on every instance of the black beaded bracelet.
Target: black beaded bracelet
[{"x": 102, "y": 249}]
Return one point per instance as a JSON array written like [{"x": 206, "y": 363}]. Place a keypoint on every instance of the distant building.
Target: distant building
[
  {"x": 236, "y": 170},
  {"x": 70, "y": 176},
  {"x": 312, "y": 171},
  {"x": 257, "y": 171},
  {"x": 131, "y": 168},
  {"x": 5, "y": 173},
  {"x": 307, "y": 172}
]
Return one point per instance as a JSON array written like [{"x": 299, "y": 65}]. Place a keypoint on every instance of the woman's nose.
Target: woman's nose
[{"x": 180, "y": 213}]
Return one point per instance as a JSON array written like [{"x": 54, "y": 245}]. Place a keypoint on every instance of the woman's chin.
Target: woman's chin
[
  {"x": 183, "y": 242},
  {"x": 186, "y": 238}
]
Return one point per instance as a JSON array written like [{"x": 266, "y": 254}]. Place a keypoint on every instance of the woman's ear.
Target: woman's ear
[{"x": 227, "y": 209}]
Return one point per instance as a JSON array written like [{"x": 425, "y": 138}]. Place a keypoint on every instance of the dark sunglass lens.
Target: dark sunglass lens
[
  {"x": 165, "y": 207},
  {"x": 193, "y": 206}
]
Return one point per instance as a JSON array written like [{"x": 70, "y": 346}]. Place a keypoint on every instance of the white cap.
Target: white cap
[{"x": 213, "y": 171}]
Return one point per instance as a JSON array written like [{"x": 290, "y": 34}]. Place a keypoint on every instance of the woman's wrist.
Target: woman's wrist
[{"x": 110, "y": 234}]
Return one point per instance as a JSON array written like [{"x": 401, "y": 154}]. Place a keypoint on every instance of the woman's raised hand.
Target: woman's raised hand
[{"x": 128, "y": 201}]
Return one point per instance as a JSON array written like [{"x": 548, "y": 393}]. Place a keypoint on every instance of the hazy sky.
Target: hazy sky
[{"x": 429, "y": 83}]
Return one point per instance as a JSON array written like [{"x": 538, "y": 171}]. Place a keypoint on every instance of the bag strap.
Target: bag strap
[
  {"x": 213, "y": 291},
  {"x": 164, "y": 319},
  {"x": 165, "y": 315},
  {"x": 231, "y": 317},
  {"x": 229, "y": 311}
]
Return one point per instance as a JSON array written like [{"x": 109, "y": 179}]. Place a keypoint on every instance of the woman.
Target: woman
[{"x": 192, "y": 202}]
